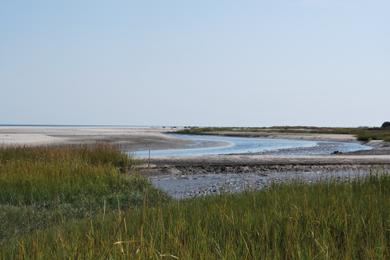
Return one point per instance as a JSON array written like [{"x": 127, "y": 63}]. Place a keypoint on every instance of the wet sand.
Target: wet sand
[
  {"x": 181, "y": 186},
  {"x": 260, "y": 163},
  {"x": 191, "y": 177}
]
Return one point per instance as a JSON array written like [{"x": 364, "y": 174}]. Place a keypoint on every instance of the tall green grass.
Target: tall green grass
[
  {"x": 349, "y": 220},
  {"x": 94, "y": 154},
  {"x": 43, "y": 186}
]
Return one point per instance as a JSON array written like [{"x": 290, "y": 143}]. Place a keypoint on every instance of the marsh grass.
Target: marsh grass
[
  {"x": 362, "y": 133},
  {"x": 348, "y": 220},
  {"x": 43, "y": 186},
  {"x": 94, "y": 154}
]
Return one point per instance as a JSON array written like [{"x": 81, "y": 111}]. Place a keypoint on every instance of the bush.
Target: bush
[
  {"x": 363, "y": 138},
  {"x": 386, "y": 125}
]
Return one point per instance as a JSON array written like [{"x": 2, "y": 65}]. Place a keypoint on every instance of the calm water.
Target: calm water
[{"x": 240, "y": 145}]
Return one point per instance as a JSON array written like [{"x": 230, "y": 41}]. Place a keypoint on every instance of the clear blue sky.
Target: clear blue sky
[{"x": 203, "y": 62}]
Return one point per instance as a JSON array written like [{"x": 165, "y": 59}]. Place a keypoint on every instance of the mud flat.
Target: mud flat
[
  {"x": 181, "y": 186},
  {"x": 270, "y": 160},
  {"x": 199, "y": 176},
  {"x": 243, "y": 164}
]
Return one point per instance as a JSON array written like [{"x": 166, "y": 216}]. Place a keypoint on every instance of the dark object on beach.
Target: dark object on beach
[
  {"x": 337, "y": 152},
  {"x": 386, "y": 125}
]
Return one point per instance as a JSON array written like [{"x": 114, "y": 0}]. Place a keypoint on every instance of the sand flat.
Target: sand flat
[
  {"x": 128, "y": 138},
  {"x": 27, "y": 139}
]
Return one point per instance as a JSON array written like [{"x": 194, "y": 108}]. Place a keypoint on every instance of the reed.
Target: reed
[
  {"x": 43, "y": 186},
  {"x": 332, "y": 220}
]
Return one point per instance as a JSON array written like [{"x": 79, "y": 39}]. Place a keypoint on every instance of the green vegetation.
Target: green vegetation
[
  {"x": 386, "y": 125},
  {"x": 74, "y": 203},
  {"x": 43, "y": 186},
  {"x": 362, "y": 133}
]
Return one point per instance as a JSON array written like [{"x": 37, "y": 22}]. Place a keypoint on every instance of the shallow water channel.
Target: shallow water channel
[
  {"x": 180, "y": 185},
  {"x": 250, "y": 145}
]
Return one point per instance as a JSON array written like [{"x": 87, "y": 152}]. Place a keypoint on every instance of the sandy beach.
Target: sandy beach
[{"x": 130, "y": 139}]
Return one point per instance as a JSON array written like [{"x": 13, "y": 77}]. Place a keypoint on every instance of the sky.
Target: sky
[{"x": 200, "y": 62}]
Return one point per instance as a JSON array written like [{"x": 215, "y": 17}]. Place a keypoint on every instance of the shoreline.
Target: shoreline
[
  {"x": 260, "y": 163},
  {"x": 276, "y": 135},
  {"x": 184, "y": 177},
  {"x": 132, "y": 139}
]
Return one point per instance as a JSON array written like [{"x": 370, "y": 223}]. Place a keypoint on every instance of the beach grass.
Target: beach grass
[
  {"x": 44, "y": 186},
  {"x": 330, "y": 220}
]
